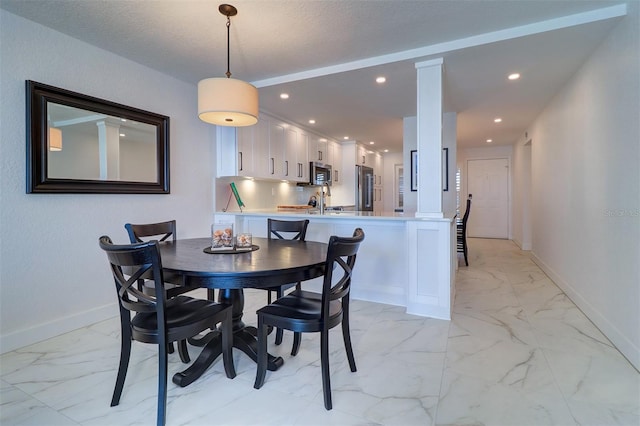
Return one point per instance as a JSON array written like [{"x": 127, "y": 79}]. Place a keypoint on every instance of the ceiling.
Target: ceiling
[{"x": 326, "y": 54}]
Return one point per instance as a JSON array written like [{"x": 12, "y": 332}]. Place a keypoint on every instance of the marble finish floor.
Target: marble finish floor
[{"x": 517, "y": 352}]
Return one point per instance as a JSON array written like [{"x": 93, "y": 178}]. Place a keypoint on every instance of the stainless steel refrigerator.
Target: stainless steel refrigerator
[{"x": 364, "y": 188}]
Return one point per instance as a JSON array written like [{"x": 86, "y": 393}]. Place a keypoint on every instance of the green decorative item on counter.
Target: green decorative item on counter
[{"x": 234, "y": 190}]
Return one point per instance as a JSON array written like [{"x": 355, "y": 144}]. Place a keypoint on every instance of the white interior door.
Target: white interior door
[{"x": 488, "y": 181}]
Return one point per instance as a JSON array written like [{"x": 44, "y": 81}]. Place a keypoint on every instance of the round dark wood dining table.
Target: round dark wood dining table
[{"x": 274, "y": 263}]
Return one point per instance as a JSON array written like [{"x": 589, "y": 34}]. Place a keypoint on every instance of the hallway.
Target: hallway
[{"x": 517, "y": 352}]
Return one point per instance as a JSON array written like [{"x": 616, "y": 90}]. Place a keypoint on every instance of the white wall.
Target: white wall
[
  {"x": 521, "y": 194},
  {"x": 53, "y": 276},
  {"x": 586, "y": 187}
]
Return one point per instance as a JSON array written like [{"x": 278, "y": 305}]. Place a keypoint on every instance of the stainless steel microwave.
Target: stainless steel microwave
[{"x": 319, "y": 173}]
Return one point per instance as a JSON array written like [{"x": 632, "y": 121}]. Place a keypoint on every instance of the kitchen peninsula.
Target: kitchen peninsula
[{"x": 388, "y": 267}]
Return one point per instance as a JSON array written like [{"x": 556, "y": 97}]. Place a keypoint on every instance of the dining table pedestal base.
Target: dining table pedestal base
[{"x": 244, "y": 338}]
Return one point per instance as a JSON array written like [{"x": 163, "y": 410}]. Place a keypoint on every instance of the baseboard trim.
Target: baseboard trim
[
  {"x": 619, "y": 340},
  {"x": 521, "y": 245},
  {"x": 37, "y": 333}
]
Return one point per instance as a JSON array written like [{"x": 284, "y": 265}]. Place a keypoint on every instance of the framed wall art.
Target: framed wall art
[
  {"x": 414, "y": 170},
  {"x": 445, "y": 169}
]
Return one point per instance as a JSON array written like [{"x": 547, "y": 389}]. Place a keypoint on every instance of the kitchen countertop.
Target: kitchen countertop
[{"x": 333, "y": 215}]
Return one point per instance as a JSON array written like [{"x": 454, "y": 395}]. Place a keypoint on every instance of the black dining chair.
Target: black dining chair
[
  {"x": 285, "y": 230},
  {"x": 461, "y": 231},
  {"x": 308, "y": 312},
  {"x": 160, "y": 231},
  {"x": 157, "y": 319}
]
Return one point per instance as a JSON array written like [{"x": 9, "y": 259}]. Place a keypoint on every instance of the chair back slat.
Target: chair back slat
[
  {"x": 298, "y": 228},
  {"x": 161, "y": 231}
]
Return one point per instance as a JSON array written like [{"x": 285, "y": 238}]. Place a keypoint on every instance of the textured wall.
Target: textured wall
[{"x": 53, "y": 277}]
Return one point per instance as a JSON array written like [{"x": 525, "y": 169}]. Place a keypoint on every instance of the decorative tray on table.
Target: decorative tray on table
[{"x": 230, "y": 250}]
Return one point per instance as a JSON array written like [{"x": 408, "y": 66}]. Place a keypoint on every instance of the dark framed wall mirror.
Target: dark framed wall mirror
[{"x": 81, "y": 144}]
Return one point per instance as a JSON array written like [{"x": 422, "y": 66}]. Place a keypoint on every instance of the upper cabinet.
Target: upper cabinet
[
  {"x": 245, "y": 151},
  {"x": 318, "y": 149},
  {"x": 296, "y": 160},
  {"x": 303, "y": 156},
  {"x": 378, "y": 168},
  {"x": 276, "y": 166},
  {"x": 361, "y": 156},
  {"x": 335, "y": 159},
  {"x": 271, "y": 149}
]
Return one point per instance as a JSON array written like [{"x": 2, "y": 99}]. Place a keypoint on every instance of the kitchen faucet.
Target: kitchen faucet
[{"x": 322, "y": 195}]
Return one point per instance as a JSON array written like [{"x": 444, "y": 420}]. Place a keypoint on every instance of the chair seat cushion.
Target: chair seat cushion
[
  {"x": 184, "y": 315},
  {"x": 300, "y": 311}
]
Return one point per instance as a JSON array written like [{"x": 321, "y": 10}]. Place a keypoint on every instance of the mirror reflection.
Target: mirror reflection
[{"x": 89, "y": 145}]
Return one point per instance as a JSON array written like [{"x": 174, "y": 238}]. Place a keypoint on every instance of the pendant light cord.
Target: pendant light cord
[{"x": 228, "y": 73}]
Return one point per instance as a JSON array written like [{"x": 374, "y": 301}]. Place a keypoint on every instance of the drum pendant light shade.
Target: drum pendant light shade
[{"x": 227, "y": 102}]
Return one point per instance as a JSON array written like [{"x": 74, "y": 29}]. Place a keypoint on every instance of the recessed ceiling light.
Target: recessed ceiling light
[
  {"x": 497, "y": 120},
  {"x": 312, "y": 121},
  {"x": 381, "y": 80},
  {"x": 346, "y": 138},
  {"x": 386, "y": 150},
  {"x": 122, "y": 135},
  {"x": 372, "y": 143},
  {"x": 284, "y": 96},
  {"x": 489, "y": 140},
  {"x": 514, "y": 76}
]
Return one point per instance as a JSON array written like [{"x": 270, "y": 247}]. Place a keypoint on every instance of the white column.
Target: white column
[
  {"x": 109, "y": 149},
  {"x": 429, "y": 123},
  {"x": 431, "y": 240}
]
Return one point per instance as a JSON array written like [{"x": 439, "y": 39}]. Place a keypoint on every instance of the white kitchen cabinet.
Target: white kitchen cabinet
[
  {"x": 226, "y": 152},
  {"x": 256, "y": 157},
  {"x": 303, "y": 156},
  {"x": 378, "y": 167},
  {"x": 335, "y": 159},
  {"x": 240, "y": 148},
  {"x": 295, "y": 156},
  {"x": 361, "y": 156},
  {"x": 245, "y": 137},
  {"x": 318, "y": 149},
  {"x": 271, "y": 149},
  {"x": 276, "y": 151},
  {"x": 290, "y": 154},
  {"x": 261, "y": 148}
]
